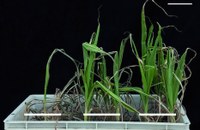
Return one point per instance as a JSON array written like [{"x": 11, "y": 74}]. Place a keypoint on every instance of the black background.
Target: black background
[{"x": 30, "y": 30}]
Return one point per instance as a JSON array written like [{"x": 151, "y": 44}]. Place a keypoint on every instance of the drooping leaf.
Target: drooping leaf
[
  {"x": 116, "y": 98},
  {"x": 47, "y": 76}
]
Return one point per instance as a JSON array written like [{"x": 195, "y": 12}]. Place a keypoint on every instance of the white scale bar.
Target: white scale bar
[
  {"x": 179, "y": 3},
  {"x": 157, "y": 114},
  {"x": 59, "y": 114},
  {"x": 101, "y": 114},
  {"x": 42, "y": 114}
]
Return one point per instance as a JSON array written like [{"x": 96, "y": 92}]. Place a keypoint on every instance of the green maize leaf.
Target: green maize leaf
[
  {"x": 144, "y": 96},
  {"x": 85, "y": 58},
  {"x": 89, "y": 54},
  {"x": 169, "y": 79},
  {"x": 159, "y": 34},
  {"x": 116, "y": 63},
  {"x": 150, "y": 36},
  {"x": 142, "y": 71},
  {"x": 151, "y": 40},
  {"x": 47, "y": 76},
  {"x": 152, "y": 58},
  {"x": 84, "y": 81},
  {"x": 47, "y": 73},
  {"x": 116, "y": 73},
  {"x": 92, "y": 38},
  {"x": 121, "y": 51},
  {"x": 90, "y": 94},
  {"x": 101, "y": 70},
  {"x": 179, "y": 73},
  {"x": 133, "y": 47},
  {"x": 160, "y": 53},
  {"x": 145, "y": 86},
  {"x": 140, "y": 62},
  {"x": 150, "y": 73},
  {"x": 92, "y": 48},
  {"x": 160, "y": 69},
  {"x": 116, "y": 98},
  {"x": 97, "y": 35},
  {"x": 134, "y": 89},
  {"x": 144, "y": 31},
  {"x": 104, "y": 68},
  {"x": 147, "y": 82}
]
